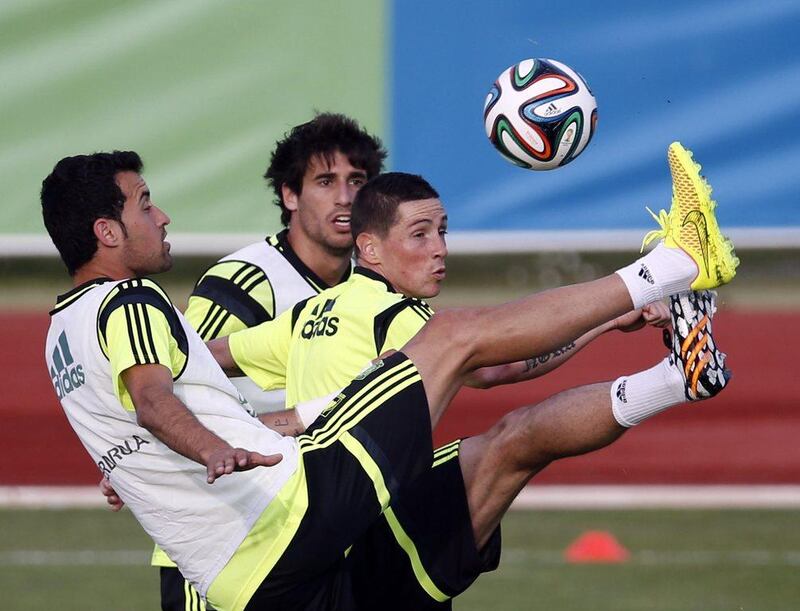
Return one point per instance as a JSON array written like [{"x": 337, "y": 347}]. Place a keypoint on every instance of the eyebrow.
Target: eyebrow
[
  {"x": 354, "y": 174},
  {"x": 427, "y": 220}
]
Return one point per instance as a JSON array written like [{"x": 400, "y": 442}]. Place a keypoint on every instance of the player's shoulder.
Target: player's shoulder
[
  {"x": 408, "y": 307},
  {"x": 260, "y": 262},
  {"x": 133, "y": 288},
  {"x": 252, "y": 252},
  {"x": 399, "y": 322},
  {"x": 135, "y": 291}
]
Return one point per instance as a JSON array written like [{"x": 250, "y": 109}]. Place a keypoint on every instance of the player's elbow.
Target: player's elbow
[
  {"x": 455, "y": 329},
  {"x": 481, "y": 379},
  {"x": 220, "y": 350},
  {"x": 147, "y": 403},
  {"x": 145, "y": 414}
]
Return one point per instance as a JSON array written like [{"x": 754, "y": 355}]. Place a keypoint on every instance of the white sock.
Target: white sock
[
  {"x": 637, "y": 397},
  {"x": 660, "y": 273}
]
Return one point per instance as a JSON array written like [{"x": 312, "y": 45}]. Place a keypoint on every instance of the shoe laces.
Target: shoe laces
[{"x": 663, "y": 220}]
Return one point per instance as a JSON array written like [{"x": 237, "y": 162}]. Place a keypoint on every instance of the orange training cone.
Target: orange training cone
[{"x": 596, "y": 546}]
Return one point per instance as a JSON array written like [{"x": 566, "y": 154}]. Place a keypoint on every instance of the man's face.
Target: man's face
[
  {"x": 412, "y": 255},
  {"x": 321, "y": 212},
  {"x": 144, "y": 249}
]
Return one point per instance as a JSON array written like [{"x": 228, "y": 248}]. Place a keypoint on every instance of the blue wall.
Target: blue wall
[{"x": 721, "y": 77}]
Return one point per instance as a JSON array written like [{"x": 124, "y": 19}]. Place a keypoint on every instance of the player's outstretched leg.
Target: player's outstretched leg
[
  {"x": 499, "y": 463},
  {"x": 693, "y": 253}
]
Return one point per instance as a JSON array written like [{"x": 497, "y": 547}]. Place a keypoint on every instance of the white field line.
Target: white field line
[
  {"x": 79, "y": 557},
  {"x": 661, "y": 497},
  {"x": 458, "y": 242},
  {"x": 532, "y": 497},
  {"x": 51, "y": 497}
]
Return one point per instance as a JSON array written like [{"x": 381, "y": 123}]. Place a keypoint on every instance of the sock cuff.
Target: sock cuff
[
  {"x": 637, "y": 397},
  {"x": 640, "y": 284},
  {"x": 618, "y": 397}
]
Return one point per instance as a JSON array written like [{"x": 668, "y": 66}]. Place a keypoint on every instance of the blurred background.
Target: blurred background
[{"x": 203, "y": 89}]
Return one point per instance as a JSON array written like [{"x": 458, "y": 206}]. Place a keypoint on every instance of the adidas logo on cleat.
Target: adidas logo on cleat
[
  {"x": 645, "y": 274},
  {"x": 694, "y": 350}
]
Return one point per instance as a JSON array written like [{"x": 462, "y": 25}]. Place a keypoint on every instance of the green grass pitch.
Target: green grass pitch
[{"x": 706, "y": 560}]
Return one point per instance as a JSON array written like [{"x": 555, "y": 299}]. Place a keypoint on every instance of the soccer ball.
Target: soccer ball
[{"x": 540, "y": 114}]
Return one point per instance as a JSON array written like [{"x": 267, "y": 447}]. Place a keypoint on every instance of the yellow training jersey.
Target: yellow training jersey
[
  {"x": 323, "y": 342},
  {"x": 99, "y": 330},
  {"x": 246, "y": 288},
  {"x": 243, "y": 289}
]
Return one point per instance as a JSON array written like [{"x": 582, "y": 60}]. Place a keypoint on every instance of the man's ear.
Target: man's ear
[
  {"x": 368, "y": 245},
  {"x": 108, "y": 232},
  {"x": 289, "y": 197}
]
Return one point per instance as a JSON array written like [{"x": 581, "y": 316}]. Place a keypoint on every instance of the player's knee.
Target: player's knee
[
  {"x": 513, "y": 441},
  {"x": 453, "y": 328}
]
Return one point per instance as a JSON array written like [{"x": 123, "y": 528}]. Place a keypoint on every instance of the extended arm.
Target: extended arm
[
  {"x": 162, "y": 413},
  {"x": 286, "y": 422},
  {"x": 221, "y": 351},
  {"x": 655, "y": 314}
]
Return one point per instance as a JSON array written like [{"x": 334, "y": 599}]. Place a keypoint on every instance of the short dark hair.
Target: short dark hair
[
  {"x": 323, "y": 136},
  {"x": 375, "y": 205},
  {"x": 80, "y": 190}
]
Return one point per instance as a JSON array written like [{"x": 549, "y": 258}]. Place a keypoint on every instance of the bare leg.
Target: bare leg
[
  {"x": 499, "y": 463},
  {"x": 457, "y": 342}
]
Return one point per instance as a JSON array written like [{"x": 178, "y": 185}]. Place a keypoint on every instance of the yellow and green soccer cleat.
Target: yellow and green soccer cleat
[{"x": 691, "y": 224}]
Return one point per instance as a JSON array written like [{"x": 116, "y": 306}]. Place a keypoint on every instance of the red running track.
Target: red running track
[{"x": 748, "y": 435}]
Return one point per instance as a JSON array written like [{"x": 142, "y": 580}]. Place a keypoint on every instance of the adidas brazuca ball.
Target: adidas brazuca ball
[{"x": 540, "y": 114}]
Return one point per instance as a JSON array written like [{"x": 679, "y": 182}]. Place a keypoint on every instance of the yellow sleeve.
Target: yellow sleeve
[
  {"x": 229, "y": 297},
  {"x": 262, "y": 352},
  {"x": 405, "y": 324},
  {"x": 137, "y": 325}
]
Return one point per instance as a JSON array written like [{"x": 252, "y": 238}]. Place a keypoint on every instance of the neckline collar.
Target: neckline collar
[
  {"x": 282, "y": 243},
  {"x": 373, "y": 275},
  {"x": 73, "y": 294},
  {"x": 80, "y": 287}
]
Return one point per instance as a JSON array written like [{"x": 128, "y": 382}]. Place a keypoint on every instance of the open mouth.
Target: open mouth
[{"x": 342, "y": 221}]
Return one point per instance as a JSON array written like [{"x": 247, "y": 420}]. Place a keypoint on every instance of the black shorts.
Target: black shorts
[
  {"x": 357, "y": 456},
  {"x": 422, "y": 552},
  {"x": 177, "y": 594}
]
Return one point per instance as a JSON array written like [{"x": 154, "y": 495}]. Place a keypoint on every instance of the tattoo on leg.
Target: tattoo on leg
[{"x": 541, "y": 359}]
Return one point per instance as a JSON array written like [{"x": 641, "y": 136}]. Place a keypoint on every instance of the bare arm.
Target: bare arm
[
  {"x": 284, "y": 422},
  {"x": 221, "y": 351},
  {"x": 655, "y": 314},
  {"x": 162, "y": 413}
]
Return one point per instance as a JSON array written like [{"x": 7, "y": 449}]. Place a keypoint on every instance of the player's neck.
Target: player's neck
[
  {"x": 329, "y": 265},
  {"x": 101, "y": 269}
]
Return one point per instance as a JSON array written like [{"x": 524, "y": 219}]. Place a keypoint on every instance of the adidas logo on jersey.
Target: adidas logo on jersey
[
  {"x": 64, "y": 372},
  {"x": 323, "y": 323},
  {"x": 645, "y": 275}
]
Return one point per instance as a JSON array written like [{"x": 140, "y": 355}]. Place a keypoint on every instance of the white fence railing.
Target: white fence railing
[{"x": 458, "y": 242}]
